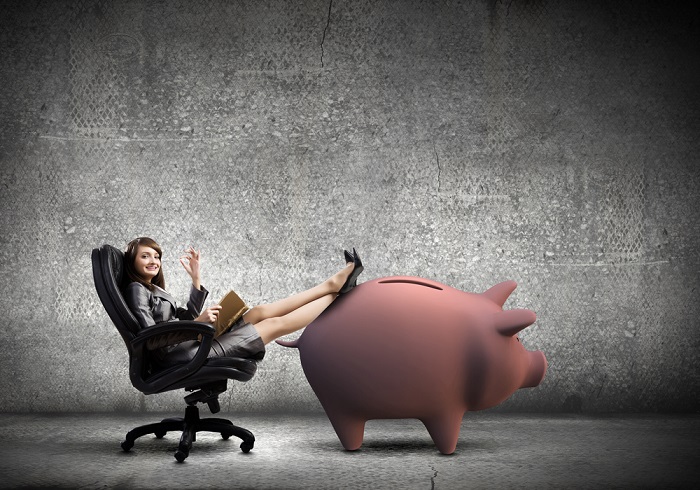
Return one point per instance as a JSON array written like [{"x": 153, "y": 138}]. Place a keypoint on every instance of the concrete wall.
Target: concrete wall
[{"x": 549, "y": 142}]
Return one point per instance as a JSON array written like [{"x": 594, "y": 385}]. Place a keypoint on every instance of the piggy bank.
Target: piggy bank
[{"x": 407, "y": 347}]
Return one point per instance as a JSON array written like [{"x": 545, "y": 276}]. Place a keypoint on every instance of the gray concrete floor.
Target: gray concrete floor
[{"x": 302, "y": 451}]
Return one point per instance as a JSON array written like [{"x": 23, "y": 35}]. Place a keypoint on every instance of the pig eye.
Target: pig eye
[{"x": 517, "y": 338}]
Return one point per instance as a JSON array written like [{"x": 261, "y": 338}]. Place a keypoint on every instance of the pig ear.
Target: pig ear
[
  {"x": 510, "y": 322},
  {"x": 500, "y": 292}
]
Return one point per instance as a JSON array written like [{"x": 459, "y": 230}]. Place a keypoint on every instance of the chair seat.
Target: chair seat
[
  {"x": 247, "y": 366},
  {"x": 235, "y": 368}
]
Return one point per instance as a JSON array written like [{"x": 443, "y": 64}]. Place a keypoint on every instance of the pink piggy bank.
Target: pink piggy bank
[{"x": 407, "y": 347}]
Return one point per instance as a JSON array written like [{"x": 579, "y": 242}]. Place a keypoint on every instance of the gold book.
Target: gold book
[{"x": 232, "y": 308}]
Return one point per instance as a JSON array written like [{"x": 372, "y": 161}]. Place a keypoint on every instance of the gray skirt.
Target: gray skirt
[{"x": 241, "y": 340}]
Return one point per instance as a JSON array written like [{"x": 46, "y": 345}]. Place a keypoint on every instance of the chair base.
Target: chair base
[{"x": 190, "y": 425}]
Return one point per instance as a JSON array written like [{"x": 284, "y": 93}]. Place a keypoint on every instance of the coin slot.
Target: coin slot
[{"x": 410, "y": 281}]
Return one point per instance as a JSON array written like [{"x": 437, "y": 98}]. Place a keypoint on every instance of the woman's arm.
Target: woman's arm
[
  {"x": 137, "y": 298},
  {"x": 194, "y": 304},
  {"x": 190, "y": 261}
]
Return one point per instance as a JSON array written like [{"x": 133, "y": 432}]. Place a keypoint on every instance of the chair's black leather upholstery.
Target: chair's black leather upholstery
[{"x": 208, "y": 376}]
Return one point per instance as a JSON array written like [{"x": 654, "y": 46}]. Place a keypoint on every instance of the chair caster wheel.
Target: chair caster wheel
[
  {"x": 246, "y": 446},
  {"x": 160, "y": 434},
  {"x": 180, "y": 455},
  {"x": 126, "y": 445}
]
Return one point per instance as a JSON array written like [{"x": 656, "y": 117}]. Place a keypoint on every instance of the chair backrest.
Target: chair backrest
[{"x": 109, "y": 275}]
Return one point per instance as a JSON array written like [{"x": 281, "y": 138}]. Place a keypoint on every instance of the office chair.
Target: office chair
[{"x": 205, "y": 378}]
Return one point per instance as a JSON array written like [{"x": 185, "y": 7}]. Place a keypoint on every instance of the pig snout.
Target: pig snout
[{"x": 535, "y": 373}]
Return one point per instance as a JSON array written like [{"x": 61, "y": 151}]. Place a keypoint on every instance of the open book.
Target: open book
[{"x": 232, "y": 308}]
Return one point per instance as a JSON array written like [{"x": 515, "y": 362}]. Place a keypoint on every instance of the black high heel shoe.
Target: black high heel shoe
[
  {"x": 352, "y": 280},
  {"x": 348, "y": 257}
]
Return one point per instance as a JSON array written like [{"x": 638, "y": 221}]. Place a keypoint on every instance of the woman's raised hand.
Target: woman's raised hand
[
  {"x": 190, "y": 261},
  {"x": 209, "y": 315}
]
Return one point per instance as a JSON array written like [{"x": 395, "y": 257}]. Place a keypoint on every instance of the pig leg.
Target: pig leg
[
  {"x": 444, "y": 430},
  {"x": 350, "y": 430}
]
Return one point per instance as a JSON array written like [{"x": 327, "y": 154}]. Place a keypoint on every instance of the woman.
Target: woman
[{"x": 150, "y": 303}]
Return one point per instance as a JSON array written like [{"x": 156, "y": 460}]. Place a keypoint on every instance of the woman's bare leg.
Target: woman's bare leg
[
  {"x": 287, "y": 305},
  {"x": 270, "y": 329}
]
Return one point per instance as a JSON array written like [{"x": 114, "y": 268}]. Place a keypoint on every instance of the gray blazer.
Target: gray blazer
[{"x": 151, "y": 307}]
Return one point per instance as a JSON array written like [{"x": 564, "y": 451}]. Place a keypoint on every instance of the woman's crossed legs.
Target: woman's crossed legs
[{"x": 274, "y": 320}]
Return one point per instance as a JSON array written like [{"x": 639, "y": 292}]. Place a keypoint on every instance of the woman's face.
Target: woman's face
[{"x": 147, "y": 262}]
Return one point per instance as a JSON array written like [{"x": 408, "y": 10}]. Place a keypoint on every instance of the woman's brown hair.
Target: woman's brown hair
[{"x": 130, "y": 254}]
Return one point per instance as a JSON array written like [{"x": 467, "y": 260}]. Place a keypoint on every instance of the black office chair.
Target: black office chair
[{"x": 206, "y": 378}]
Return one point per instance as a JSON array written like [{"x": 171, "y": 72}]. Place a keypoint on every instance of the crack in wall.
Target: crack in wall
[
  {"x": 325, "y": 29},
  {"x": 439, "y": 174},
  {"x": 432, "y": 478}
]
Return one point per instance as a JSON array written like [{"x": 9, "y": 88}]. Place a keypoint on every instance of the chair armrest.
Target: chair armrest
[
  {"x": 176, "y": 332},
  {"x": 171, "y": 333}
]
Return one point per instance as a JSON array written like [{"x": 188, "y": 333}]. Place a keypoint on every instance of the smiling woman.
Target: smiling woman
[
  {"x": 151, "y": 304},
  {"x": 143, "y": 263}
]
